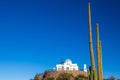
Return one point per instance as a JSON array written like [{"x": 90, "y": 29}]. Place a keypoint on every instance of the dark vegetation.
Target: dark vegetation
[
  {"x": 62, "y": 76},
  {"x": 68, "y": 76},
  {"x": 65, "y": 76}
]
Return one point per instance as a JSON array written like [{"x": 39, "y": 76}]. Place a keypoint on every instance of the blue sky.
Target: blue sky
[{"x": 35, "y": 35}]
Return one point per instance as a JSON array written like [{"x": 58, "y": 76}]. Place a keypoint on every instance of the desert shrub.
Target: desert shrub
[
  {"x": 50, "y": 78},
  {"x": 65, "y": 76},
  {"x": 38, "y": 77},
  {"x": 81, "y": 77},
  {"x": 111, "y": 78}
]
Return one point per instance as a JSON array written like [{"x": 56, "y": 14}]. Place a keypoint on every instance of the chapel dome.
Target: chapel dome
[{"x": 68, "y": 60}]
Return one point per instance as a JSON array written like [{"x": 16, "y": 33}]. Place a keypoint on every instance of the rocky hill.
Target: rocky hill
[{"x": 62, "y": 75}]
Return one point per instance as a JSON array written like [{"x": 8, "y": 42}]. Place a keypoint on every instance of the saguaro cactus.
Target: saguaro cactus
[
  {"x": 93, "y": 70},
  {"x": 99, "y": 54},
  {"x": 101, "y": 69}
]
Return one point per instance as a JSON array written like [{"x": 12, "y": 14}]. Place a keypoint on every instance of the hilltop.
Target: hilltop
[{"x": 62, "y": 75}]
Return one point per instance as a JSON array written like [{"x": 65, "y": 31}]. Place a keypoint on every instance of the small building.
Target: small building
[{"x": 67, "y": 65}]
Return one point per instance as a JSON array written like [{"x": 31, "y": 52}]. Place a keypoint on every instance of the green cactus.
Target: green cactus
[{"x": 93, "y": 70}]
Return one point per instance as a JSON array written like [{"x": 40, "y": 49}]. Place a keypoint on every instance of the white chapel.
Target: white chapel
[
  {"x": 69, "y": 66},
  {"x": 66, "y": 65}
]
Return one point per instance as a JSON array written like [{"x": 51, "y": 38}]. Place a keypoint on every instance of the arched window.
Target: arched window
[
  {"x": 62, "y": 68},
  {"x": 67, "y": 68}
]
